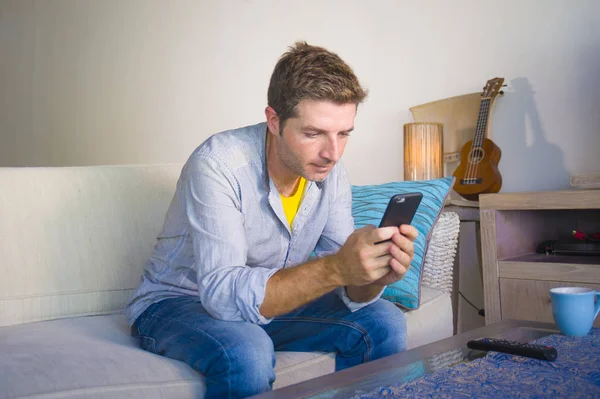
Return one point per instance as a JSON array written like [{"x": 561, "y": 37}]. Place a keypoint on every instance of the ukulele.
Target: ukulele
[{"x": 478, "y": 171}]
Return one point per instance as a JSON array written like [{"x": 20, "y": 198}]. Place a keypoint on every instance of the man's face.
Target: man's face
[{"x": 312, "y": 142}]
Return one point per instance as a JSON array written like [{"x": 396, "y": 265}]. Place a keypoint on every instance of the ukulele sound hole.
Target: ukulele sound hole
[{"x": 476, "y": 155}]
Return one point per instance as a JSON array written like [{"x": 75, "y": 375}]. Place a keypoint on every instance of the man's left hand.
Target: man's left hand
[{"x": 402, "y": 251}]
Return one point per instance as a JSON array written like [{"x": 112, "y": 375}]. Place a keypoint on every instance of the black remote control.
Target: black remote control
[{"x": 541, "y": 352}]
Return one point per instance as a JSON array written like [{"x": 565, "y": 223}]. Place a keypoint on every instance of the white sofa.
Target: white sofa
[{"x": 73, "y": 242}]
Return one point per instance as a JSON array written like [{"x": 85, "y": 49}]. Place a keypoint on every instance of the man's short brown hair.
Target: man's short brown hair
[{"x": 313, "y": 73}]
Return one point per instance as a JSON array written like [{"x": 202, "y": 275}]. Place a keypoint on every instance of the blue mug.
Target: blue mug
[{"x": 574, "y": 310}]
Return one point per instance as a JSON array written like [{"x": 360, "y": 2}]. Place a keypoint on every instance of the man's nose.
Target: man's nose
[{"x": 332, "y": 150}]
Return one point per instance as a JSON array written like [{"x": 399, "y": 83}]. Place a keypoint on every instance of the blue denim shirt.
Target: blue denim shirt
[{"x": 225, "y": 233}]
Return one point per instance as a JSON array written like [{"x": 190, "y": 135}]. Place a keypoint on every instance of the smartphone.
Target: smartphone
[{"x": 401, "y": 209}]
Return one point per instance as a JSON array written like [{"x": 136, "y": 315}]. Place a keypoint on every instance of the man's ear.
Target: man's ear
[{"x": 272, "y": 120}]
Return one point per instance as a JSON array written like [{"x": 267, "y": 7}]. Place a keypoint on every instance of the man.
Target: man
[{"x": 230, "y": 280}]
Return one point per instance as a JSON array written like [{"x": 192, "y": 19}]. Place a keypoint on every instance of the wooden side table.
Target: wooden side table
[{"x": 516, "y": 279}]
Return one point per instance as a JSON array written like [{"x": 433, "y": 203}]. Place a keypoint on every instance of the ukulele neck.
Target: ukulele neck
[{"x": 484, "y": 111}]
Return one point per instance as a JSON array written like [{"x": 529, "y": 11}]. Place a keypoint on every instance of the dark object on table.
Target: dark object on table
[{"x": 540, "y": 352}]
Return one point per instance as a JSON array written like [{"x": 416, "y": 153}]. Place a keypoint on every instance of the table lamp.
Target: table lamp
[{"x": 423, "y": 151}]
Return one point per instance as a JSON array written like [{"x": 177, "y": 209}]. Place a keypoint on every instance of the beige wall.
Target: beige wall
[{"x": 145, "y": 81}]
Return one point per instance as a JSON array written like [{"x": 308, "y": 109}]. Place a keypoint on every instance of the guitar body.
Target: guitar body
[{"x": 478, "y": 171}]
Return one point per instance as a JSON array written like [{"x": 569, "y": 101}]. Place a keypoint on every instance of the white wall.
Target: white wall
[{"x": 140, "y": 81}]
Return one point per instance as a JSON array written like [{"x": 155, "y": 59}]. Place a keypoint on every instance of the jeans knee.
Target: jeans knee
[
  {"x": 386, "y": 326},
  {"x": 256, "y": 356},
  {"x": 390, "y": 332},
  {"x": 249, "y": 363},
  {"x": 375, "y": 331}
]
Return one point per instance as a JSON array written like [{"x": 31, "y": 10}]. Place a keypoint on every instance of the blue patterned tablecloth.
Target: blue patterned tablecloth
[{"x": 574, "y": 374}]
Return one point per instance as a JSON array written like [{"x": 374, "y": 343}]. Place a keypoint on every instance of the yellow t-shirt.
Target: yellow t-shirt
[{"x": 292, "y": 203}]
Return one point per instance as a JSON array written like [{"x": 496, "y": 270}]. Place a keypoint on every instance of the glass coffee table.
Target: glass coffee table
[{"x": 409, "y": 365}]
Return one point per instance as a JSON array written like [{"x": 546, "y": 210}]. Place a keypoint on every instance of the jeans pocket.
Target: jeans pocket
[{"x": 148, "y": 343}]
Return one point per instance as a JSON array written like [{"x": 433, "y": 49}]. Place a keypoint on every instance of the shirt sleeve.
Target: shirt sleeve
[
  {"x": 228, "y": 288},
  {"x": 339, "y": 226}
]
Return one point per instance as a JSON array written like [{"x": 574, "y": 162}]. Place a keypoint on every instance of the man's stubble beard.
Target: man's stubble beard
[
  {"x": 291, "y": 161},
  {"x": 289, "y": 158}
]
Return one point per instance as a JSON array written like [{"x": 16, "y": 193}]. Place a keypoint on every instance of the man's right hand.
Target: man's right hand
[{"x": 360, "y": 261}]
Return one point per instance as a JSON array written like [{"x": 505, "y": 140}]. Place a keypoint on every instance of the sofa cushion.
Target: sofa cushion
[
  {"x": 83, "y": 356},
  {"x": 84, "y": 233},
  {"x": 369, "y": 204},
  {"x": 95, "y": 356},
  {"x": 433, "y": 320}
]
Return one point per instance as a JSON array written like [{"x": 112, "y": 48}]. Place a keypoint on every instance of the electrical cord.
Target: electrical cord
[{"x": 481, "y": 311}]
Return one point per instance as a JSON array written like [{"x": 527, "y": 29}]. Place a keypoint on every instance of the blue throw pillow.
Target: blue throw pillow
[{"x": 368, "y": 206}]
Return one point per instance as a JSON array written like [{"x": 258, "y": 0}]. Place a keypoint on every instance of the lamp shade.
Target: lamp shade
[{"x": 423, "y": 151}]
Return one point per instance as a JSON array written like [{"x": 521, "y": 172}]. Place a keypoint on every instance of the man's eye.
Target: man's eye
[
  {"x": 311, "y": 135},
  {"x": 344, "y": 134}
]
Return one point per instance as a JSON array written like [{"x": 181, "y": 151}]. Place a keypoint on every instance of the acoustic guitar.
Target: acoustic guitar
[{"x": 478, "y": 171}]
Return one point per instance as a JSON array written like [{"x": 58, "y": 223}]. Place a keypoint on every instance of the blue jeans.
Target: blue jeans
[{"x": 237, "y": 358}]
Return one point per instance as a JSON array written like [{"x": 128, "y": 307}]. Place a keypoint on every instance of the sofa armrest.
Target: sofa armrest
[{"x": 440, "y": 253}]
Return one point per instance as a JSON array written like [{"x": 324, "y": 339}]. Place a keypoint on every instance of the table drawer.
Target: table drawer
[{"x": 530, "y": 299}]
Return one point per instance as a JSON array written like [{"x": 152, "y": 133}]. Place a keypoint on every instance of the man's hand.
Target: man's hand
[
  {"x": 361, "y": 261},
  {"x": 402, "y": 250},
  {"x": 398, "y": 254}
]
